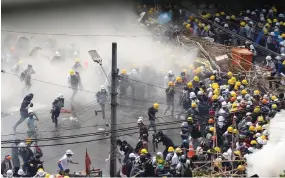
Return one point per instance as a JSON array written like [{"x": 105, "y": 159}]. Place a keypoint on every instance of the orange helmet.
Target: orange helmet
[{"x": 211, "y": 121}]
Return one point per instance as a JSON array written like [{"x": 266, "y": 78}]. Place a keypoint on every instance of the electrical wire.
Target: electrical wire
[{"x": 92, "y": 140}]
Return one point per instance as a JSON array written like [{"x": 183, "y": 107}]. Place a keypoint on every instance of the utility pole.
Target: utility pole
[{"x": 113, "y": 147}]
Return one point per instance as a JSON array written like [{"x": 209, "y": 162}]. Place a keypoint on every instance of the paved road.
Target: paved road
[{"x": 82, "y": 19}]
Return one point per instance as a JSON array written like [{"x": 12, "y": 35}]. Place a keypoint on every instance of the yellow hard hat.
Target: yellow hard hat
[
  {"x": 251, "y": 128},
  {"x": 253, "y": 142},
  {"x": 273, "y": 98},
  {"x": 71, "y": 72},
  {"x": 234, "y": 105},
  {"x": 217, "y": 149},
  {"x": 237, "y": 152},
  {"x": 243, "y": 92},
  {"x": 274, "y": 106},
  {"x": 284, "y": 60},
  {"x": 260, "y": 119},
  {"x": 170, "y": 83},
  {"x": 236, "y": 87},
  {"x": 188, "y": 26},
  {"x": 178, "y": 79},
  {"x": 77, "y": 60},
  {"x": 263, "y": 137},
  {"x": 170, "y": 149},
  {"x": 216, "y": 92},
  {"x": 234, "y": 79},
  {"x": 208, "y": 15},
  {"x": 231, "y": 82},
  {"x": 230, "y": 74},
  {"x": 28, "y": 140},
  {"x": 238, "y": 83},
  {"x": 256, "y": 92},
  {"x": 244, "y": 82},
  {"x": 274, "y": 9},
  {"x": 233, "y": 94},
  {"x": 198, "y": 70},
  {"x": 275, "y": 20},
  {"x": 242, "y": 24},
  {"x": 47, "y": 176},
  {"x": 185, "y": 23},
  {"x": 212, "y": 77},
  {"x": 222, "y": 13},
  {"x": 283, "y": 35},
  {"x": 178, "y": 150},
  {"x": 196, "y": 79},
  {"x": 193, "y": 105},
  {"x": 144, "y": 151},
  {"x": 281, "y": 23},
  {"x": 235, "y": 131},
  {"x": 196, "y": 20},
  {"x": 215, "y": 86},
  {"x": 240, "y": 168},
  {"x": 215, "y": 97},
  {"x": 212, "y": 129},
  {"x": 190, "y": 85},
  {"x": 40, "y": 169},
  {"x": 217, "y": 14},
  {"x": 258, "y": 128},
  {"x": 124, "y": 71},
  {"x": 156, "y": 105},
  {"x": 233, "y": 17},
  {"x": 265, "y": 31},
  {"x": 230, "y": 129},
  {"x": 256, "y": 109}
]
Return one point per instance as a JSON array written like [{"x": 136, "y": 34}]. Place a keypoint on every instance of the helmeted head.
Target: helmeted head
[
  {"x": 9, "y": 173},
  {"x": 103, "y": 88},
  {"x": 140, "y": 120},
  {"x": 20, "y": 172},
  {"x": 170, "y": 73},
  {"x": 60, "y": 96},
  {"x": 69, "y": 153},
  {"x": 71, "y": 72}
]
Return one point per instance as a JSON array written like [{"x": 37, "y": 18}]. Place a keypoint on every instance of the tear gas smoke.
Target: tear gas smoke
[
  {"x": 270, "y": 160},
  {"x": 133, "y": 52}
]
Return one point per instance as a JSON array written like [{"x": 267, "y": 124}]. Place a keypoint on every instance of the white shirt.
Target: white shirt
[{"x": 64, "y": 161}]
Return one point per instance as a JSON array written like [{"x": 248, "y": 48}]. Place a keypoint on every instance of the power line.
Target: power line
[
  {"x": 86, "y": 141},
  {"x": 78, "y": 35}
]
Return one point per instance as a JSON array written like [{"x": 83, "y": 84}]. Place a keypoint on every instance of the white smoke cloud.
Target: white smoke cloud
[{"x": 270, "y": 160}]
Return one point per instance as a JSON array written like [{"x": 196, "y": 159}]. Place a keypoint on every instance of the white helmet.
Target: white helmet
[
  {"x": 221, "y": 111},
  {"x": 249, "y": 123},
  {"x": 41, "y": 173},
  {"x": 262, "y": 19},
  {"x": 57, "y": 53},
  {"x": 246, "y": 19},
  {"x": 30, "y": 111},
  {"x": 224, "y": 104},
  {"x": 200, "y": 93},
  {"x": 134, "y": 71},
  {"x": 248, "y": 114},
  {"x": 214, "y": 72},
  {"x": 102, "y": 87},
  {"x": 270, "y": 11},
  {"x": 251, "y": 22},
  {"x": 9, "y": 173},
  {"x": 22, "y": 145},
  {"x": 170, "y": 72},
  {"x": 20, "y": 172},
  {"x": 239, "y": 98},
  {"x": 253, "y": 13},
  {"x": 277, "y": 24},
  {"x": 217, "y": 20},
  {"x": 69, "y": 152},
  {"x": 264, "y": 10},
  {"x": 228, "y": 17},
  {"x": 221, "y": 119},
  {"x": 247, "y": 11},
  {"x": 226, "y": 25},
  {"x": 184, "y": 124},
  {"x": 192, "y": 95},
  {"x": 278, "y": 58},
  {"x": 159, "y": 154},
  {"x": 272, "y": 33},
  {"x": 140, "y": 120},
  {"x": 250, "y": 149},
  {"x": 132, "y": 155},
  {"x": 60, "y": 95}
]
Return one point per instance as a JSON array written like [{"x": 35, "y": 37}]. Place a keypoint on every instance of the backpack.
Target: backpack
[{"x": 186, "y": 171}]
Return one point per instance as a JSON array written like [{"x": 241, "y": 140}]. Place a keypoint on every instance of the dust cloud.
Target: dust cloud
[
  {"x": 98, "y": 22},
  {"x": 270, "y": 160}
]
